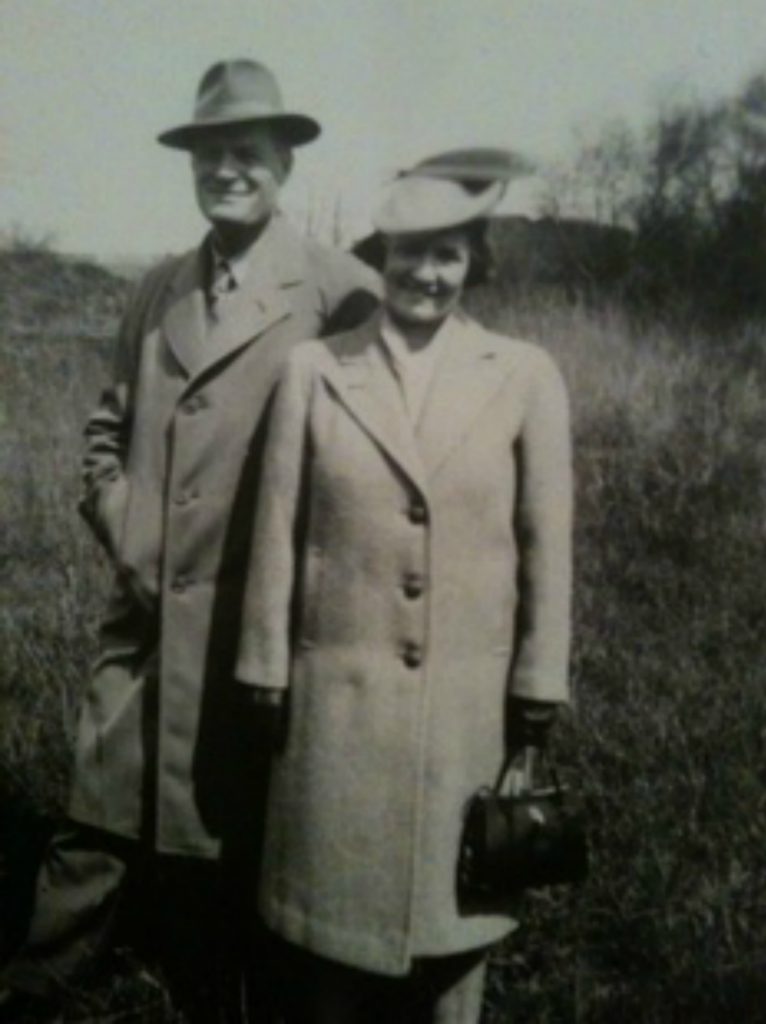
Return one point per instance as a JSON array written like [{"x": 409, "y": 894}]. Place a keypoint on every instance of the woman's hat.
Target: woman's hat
[
  {"x": 448, "y": 190},
  {"x": 236, "y": 92},
  {"x": 475, "y": 166}
]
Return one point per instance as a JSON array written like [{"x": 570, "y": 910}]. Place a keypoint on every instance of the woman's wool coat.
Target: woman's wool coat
[
  {"x": 171, "y": 470},
  {"x": 403, "y": 582}
]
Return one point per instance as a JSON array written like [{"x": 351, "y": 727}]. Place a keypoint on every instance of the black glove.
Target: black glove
[
  {"x": 527, "y": 722},
  {"x": 261, "y": 716}
]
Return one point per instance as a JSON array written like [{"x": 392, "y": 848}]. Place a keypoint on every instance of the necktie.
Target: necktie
[{"x": 223, "y": 284}]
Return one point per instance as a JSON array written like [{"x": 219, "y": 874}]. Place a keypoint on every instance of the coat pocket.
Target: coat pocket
[
  {"x": 127, "y": 633},
  {"x": 110, "y": 510}
]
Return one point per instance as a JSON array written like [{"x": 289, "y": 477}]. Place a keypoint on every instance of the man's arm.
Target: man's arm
[
  {"x": 351, "y": 291},
  {"x": 107, "y": 433}
]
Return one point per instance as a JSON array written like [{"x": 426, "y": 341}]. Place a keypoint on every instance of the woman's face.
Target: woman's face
[{"x": 424, "y": 274}]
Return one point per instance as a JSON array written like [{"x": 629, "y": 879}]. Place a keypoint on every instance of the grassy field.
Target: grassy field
[{"x": 669, "y": 741}]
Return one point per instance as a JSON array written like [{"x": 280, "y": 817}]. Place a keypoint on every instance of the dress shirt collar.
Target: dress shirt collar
[
  {"x": 414, "y": 369},
  {"x": 237, "y": 266}
]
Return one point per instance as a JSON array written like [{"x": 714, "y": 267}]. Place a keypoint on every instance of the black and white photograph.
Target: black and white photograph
[{"x": 382, "y": 512}]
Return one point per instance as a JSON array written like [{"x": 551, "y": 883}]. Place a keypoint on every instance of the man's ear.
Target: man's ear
[{"x": 286, "y": 157}]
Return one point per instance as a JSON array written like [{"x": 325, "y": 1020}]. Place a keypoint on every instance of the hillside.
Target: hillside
[
  {"x": 547, "y": 255},
  {"x": 41, "y": 291}
]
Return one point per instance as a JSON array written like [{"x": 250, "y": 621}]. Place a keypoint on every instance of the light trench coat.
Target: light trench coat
[
  {"x": 171, "y": 469},
  {"x": 403, "y": 582}
]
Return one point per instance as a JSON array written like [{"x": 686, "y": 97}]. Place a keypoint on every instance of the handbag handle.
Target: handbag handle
[{"x": 528, "y": 757}]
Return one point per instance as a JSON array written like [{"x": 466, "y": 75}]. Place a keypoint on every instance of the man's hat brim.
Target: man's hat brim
[{"x": 294, "y": 129}]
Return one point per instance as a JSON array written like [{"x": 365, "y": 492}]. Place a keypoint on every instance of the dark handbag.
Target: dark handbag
[{"x": 528, "y": 839}]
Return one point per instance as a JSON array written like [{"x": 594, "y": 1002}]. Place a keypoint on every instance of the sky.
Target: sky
[{"x": 88, "y": 84}]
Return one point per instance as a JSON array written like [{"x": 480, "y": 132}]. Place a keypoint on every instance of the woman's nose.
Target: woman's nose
[{"x": 425, "y": 270}]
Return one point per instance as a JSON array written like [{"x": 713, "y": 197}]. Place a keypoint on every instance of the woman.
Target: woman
[{"x": 408, "y": 598}]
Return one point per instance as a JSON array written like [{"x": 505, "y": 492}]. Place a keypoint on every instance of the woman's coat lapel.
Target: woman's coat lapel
[
  {"x": 470, "y": 372},
  {"x": 362, "y": 381}
]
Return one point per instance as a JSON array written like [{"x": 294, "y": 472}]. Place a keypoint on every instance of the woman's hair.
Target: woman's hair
[
  {"x": 372, "y": 251},
  {"x": 482, "y": 265}
]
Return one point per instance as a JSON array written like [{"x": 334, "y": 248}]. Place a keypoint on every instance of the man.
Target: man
[{"x": 167, "y": 753}]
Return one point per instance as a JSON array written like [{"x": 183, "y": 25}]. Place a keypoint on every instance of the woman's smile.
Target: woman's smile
[{"x": 424, "y": 274}]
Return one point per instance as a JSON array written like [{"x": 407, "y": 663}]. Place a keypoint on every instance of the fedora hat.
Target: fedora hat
[
  {"x": 237, "y": 92},
  {"x": 448, "y": 190}
]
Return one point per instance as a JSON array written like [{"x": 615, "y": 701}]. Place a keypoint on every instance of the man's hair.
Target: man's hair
[{"x": 285, "y": 151}]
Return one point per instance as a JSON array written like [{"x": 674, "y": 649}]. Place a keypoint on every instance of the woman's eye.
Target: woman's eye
[
  {"x": 411, "y": 254},
  {"x": 448, "y": 255}
]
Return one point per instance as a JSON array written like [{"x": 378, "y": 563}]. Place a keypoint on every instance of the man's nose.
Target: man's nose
[{"x": 225, "y": 163}]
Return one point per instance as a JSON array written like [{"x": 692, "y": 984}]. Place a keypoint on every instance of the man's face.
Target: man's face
[
  {"x": 424, "y": 275},
  {"x": 238, "y": 172}
]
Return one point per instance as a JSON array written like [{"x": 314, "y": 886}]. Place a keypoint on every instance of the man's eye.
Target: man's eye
[
  {"x": 215, "y": 154},
  {"x": 245, "y": 155}
]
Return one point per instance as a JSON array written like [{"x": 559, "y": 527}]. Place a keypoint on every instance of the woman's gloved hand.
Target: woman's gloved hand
[
  {"x": 260, "y": 713},
  {"x": 527, "y": 722}
]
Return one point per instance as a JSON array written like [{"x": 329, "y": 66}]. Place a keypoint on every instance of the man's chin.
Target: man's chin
[
  {"x": 234, "y": 235},
  {"x": 230, "y": 212},
  {"x": 224, "y": 214},
  {"x": 230, "y": 220}
]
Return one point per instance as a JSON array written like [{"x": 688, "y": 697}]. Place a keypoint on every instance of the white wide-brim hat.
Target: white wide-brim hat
[{"x": 448, "y": 190}]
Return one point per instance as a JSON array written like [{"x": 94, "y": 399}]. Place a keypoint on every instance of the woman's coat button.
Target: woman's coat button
[
  {"x": 413, "y": 585},
  {"x": 412, "y": 655}
]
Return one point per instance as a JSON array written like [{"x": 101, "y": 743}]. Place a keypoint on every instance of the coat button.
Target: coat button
[
  {"x": 180, "y": 584},
  {"x": 412, "y": 655},
  {"x": 193, "y": 404},
  {"x": 417, "y": 513},
  {"x": 413, "y": 585},
  {"x": 184, "y": 497}
]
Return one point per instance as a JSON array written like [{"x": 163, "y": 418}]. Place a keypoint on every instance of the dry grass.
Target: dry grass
[
  {"x": 669, "y": 659},
  {"x": 669, "y": 667}
]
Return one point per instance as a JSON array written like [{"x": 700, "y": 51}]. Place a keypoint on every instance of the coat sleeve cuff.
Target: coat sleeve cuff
[{"x": 261, "y": 696}]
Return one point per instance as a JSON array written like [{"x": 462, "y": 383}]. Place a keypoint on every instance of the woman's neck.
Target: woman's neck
[{"x": 417, "y": 336}]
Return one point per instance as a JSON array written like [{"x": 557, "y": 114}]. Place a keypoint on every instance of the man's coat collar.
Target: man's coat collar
[{"x": 276, "y": 262}]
